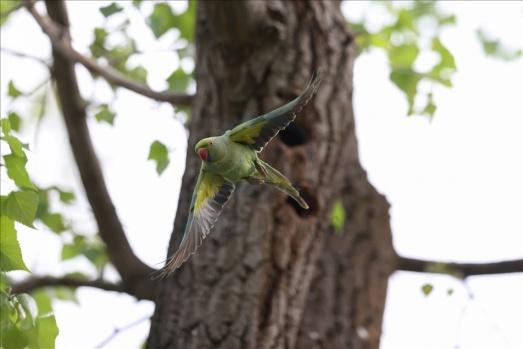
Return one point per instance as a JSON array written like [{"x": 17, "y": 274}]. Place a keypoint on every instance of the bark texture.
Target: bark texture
[{"x": 271, "y": 275}]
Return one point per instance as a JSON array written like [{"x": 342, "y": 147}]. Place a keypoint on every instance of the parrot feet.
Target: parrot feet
[
  {"x": 254, "y": 180},
  {"x": 261, "y": 169}
]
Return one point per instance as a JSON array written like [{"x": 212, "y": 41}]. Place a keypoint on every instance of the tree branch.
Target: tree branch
[
  {"x": 461, "y": 269},
  {"x": 23, "y": 55},
  {"x": 37, "y": 282},
  {"x": 61, "y": 41},
  {"x": 134, "y": 273}
]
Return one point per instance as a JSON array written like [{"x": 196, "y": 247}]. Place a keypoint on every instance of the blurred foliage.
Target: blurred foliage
[
  {"x": 494, "y": 47},
  {"x": 114, "y": 45},
  {"x": 414, "y": 30},
  {"x": 427, "y": 289},
  {"x": 159, "y": 153},
  {"x": 105, "y": 114},
  {"x": 337, "y": 219},
  {"x": 6, "y": 8},
  {"x": 21, "y": 323}
]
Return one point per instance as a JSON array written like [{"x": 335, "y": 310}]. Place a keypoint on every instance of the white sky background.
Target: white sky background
[{"x": 455, "y": 184}]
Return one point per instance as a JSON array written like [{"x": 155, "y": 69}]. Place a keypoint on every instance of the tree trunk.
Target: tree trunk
[{"x": 270, "y": 274}]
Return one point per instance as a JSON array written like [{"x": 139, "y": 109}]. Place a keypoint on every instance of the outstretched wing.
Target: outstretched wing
[
  {"x": 258, "y": 132},
  {"x": 210, "y": 196}
]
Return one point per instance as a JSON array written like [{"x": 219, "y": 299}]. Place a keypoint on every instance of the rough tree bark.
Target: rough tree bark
[{"x": 249, "y": 285}]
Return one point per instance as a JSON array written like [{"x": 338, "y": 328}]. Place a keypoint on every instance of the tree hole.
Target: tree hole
[
  {"x": 293, "y": 135},
  {"x": 310, "y": 199}
]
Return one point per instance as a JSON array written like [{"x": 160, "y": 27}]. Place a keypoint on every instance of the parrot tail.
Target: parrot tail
[{"x": 279, "y": 181}]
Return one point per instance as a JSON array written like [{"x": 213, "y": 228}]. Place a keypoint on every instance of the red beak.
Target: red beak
[{"x": 204, "y": 154}]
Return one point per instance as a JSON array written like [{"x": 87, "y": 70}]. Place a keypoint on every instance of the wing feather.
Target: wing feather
[
  {"x": 210, "y": 195},
  {"x": 258, "y": 132}
]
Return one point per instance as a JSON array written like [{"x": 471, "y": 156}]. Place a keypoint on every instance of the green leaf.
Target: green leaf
[
  {"x": 47, "y": 332},
  {"x": 5, "y": 310},
  {"x": 6, "y": 126},
  {"x": 110, "y": 10},
  {"x": 405, "y": 21},
  {"x": 12, "y": 91},
  {"x": 137, "y": 3},
  {"x": 14, "y": 338},
  {"x": 161, "y": 19},
  {"x": 15, "y": 166},
  {"x": 21, "y": 206},
  {"x": 429, "y": 109},
  {"x": 427, "y": 289},
  {"x": 29, "y": 305},
  {"x": 15, "y": 145},
  {"x": 43, "y": 301},
  {"x": 92, "y": 249},
  {"x": 54, "y": 221},
  {"x": 139, "y": 74},
  {"x": 494, "y": 48},
  {"x": 66, "y": 196},
  {"x": 450, "y": 291},
  {"x": 97, "y": 255},
  {"x": 403, "y": 56},
  {"x": 159, "y": 153},
  {"x": 378, "y": 40},
  {"x": 69, "y": 252},
  {"x": 178, "y": 80},
  {"x": 105, "y": 115},
  {"x": 14, "y": 119},
  {"x": 422, "y": 8},
  {"x": 337, "y": 219},
  {"x": 6, "y": 8},
  {"x": 65, "y": 293},
  {"x": 10, "y": 253},
  {"x": 5, "y": 281},
  {"x": 98, "y": 45},
  {"x": 44, "y": 296},
  {"x": 407, "y": 81},
  {"x": 444, "y": 20},
  {"x": 446, "y": 57},
  {"x": 185, "y": 22}
]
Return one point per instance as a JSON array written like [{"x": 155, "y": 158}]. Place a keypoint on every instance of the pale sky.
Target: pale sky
[{"x": 454, "y": 184}]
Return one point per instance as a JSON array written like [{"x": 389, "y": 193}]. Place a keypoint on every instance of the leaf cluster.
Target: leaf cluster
[
  {"x": 414, "y": 30},
  {"x": 22, "y": 325},
  {"x": 114, "y": 45},
  {"x": 22, "y": 322}
]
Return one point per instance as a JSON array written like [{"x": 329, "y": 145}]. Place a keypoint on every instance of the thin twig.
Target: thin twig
[
  {"x": 23, "y": 55},
  {"x": 117, "y": 330},
  {"x": 472, "y": 298}
]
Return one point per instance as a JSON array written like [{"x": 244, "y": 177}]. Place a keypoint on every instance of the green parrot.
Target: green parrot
[{"x": 230, "y": 158}]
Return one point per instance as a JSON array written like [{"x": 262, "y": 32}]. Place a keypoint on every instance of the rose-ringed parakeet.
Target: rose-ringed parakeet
[{"x": 230, "y": 158}]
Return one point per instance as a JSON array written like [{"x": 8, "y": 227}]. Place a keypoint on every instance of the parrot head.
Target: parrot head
[{"x": 209, "y": 149}]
